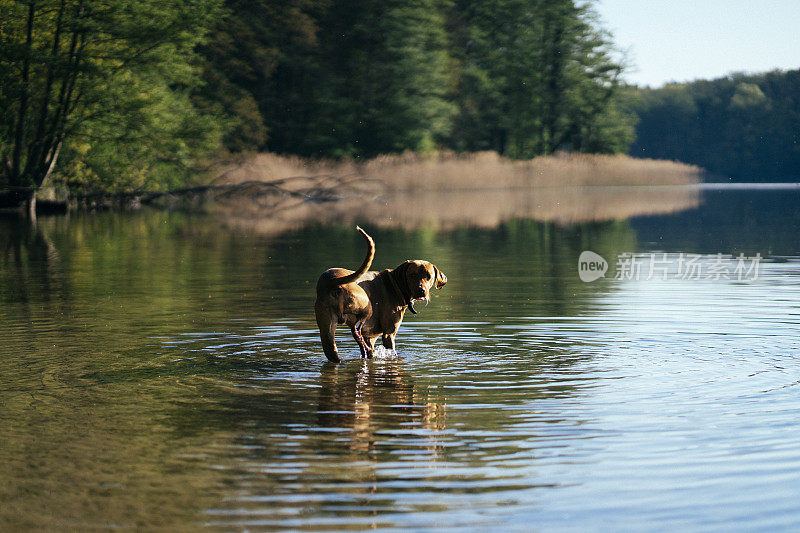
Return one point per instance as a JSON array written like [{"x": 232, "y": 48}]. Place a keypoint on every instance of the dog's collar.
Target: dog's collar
[{"x": 399, "y": 291}]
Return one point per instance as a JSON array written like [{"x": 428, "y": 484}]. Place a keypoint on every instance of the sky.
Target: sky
[{"x": 683, "y": 40}]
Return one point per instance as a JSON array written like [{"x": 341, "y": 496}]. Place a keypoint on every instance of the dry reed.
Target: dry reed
[
  {"x": 447, "y": 190},
  {"x": 448, "y": 171}
]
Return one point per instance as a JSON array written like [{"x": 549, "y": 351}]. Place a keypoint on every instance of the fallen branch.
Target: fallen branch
[{"x": 304, "y": 188}]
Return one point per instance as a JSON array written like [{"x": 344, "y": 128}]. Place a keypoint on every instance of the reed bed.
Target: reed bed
[
  {"x": 447, "y": 190},
  {"x": 448, "y": 171}
]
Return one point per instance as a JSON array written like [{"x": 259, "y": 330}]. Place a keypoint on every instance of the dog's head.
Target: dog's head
[{"x": 419, "y": 277}]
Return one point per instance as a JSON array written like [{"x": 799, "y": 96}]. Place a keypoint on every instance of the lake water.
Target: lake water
[{"x": 161, "y": 370}]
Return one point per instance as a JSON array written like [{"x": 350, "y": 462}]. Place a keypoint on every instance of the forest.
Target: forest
[
  {"x": 153, "y": 94},
  {"x": 148, "y": 94},
  {"x": 744, "y": 128}
]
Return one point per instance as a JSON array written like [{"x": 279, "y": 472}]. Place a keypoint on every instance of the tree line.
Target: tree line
[
  {"x": 741, "y": 127},
  {"x": 365, "y": 77},
  {"x": 147, "y": 93}
]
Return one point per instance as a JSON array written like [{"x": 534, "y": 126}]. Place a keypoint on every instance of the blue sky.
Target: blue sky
[{"x": 681, "y": 40}]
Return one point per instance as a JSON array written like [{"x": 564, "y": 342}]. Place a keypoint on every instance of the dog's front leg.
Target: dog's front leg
[
  {"x": 371, "y": 347},
  {"x": 388, "y": 342}
]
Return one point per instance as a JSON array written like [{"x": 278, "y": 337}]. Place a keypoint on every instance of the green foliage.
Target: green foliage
[
  {"x": 139, "y": 93},
  {"x": 100, "y": 91},
  {"x": 741, "y": 127},
  {"x": 152, "y": 140},
  {"x": 374, "y": 81},
  {"x": 535, "y": 76},
  {"x": 239, "y": 59},
  {"x": 365, "y": 77}
]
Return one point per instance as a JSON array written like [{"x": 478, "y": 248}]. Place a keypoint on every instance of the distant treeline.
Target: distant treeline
[
  {"x": 145, "y": 93},
  {"x": 741, "y": 127}
]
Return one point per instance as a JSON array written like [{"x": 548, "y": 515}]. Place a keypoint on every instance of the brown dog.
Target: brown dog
[{"x": 371, "y": 303}]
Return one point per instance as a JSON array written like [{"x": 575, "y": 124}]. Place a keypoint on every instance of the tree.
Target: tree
[
  {"x": 363, "y": 77},
  {"x": 494, "y": 54},
  {"x": 80, "y": 74},
  {"x": 535, "y": 76},
  {"x": 240, "y": 57},
  {"x": 375, "y": 80}
]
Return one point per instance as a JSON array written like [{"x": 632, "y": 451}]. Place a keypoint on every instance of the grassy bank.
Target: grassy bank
[{"x": 447, "y": 171}]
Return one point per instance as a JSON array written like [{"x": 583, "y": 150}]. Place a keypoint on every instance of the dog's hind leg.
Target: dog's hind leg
[
  {"x": 327, "y": 322},
  {"x": 366, "y": 351}
]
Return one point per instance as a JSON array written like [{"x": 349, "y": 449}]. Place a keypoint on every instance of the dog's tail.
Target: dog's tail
[{"x": 364, "y": 266}]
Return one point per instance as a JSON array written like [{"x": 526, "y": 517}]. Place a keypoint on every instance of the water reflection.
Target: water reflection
[
  {"x": 730, "y": 221},
  {"x": 443, "y": 429},
  {"x": 359, "y": 399},
  {"x": 30, "y": 259},
  {"x": 160, "y": 371},
  {"x": 457, "y": 209}
]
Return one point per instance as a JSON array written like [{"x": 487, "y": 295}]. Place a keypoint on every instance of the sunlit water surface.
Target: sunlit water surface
[{"x": 164, "y": 371}]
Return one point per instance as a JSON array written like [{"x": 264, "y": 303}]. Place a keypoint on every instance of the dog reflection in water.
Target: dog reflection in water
[{"x": 379, "y": 397}]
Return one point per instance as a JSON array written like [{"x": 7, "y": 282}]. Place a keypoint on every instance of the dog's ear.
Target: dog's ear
[
  {"x": 440, "y": 279},
  {"x": 401, "y": 273}
]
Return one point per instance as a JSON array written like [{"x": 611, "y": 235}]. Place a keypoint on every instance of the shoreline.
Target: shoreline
[
  {"x": 268, "y": 175},
  {"x": 442, "y": 171}
]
